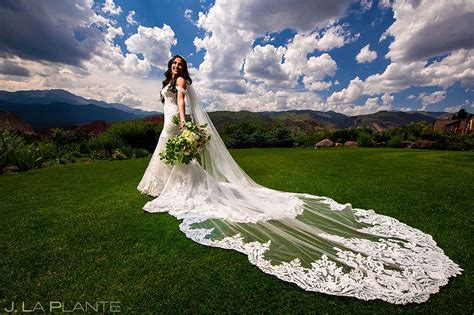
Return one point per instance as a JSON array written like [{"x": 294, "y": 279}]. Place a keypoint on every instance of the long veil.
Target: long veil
[{"x": 312, "y": 241}]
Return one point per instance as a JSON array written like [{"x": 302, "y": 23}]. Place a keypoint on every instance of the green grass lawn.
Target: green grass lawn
[{"x": 78, "y": 233}]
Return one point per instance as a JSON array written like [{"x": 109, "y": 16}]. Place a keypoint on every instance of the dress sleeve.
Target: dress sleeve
[{"x": 180, "y": 89}]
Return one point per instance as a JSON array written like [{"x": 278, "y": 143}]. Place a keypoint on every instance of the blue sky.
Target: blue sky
[{"x": 354, "y": 57}]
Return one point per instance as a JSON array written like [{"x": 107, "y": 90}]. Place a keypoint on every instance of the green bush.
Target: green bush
[
  {"x": 395, "y": 141},
  {"x": 135, "y": 133},
  {"x": 25, "y": 157},
  {"x": 9, "y": 140},
  {"x": 140, "y": 153},
  {"x": 365, "y": 138}
]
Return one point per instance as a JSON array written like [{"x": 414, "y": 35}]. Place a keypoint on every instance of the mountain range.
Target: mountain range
[
  {"x": 44, "y": 97},
  {"x": 44, "y": 109}
]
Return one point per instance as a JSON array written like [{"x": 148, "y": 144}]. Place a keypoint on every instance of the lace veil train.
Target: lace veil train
[{"x": 311, "y": 241}]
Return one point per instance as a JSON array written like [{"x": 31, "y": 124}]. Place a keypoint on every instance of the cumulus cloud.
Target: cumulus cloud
[
  {"x": 366, "y": 55},
  {"x": 78, "y": 46},
  {"x": 456, "y": 67},
  {"x": 433, "y": 98},
  {"x": 188, "y": 15},
  {"x": 113, "y": 32},
  {"x": 232, "y": 26},
  {"x": 53, "y": 31},
  {"x": 264, "y": 64},
  {"x": 468, "y": 106},
  {"x": 154, "y": 43},
  {"x": 371, "y": 105},
  {"x": 126, "y": 95},
  {"x": 317, "y": 68},
  {"x": 110, "y": 8},
  {"x": 424, "y": 28},
  {"x": 387, "y": 99},
  {"x": 131, "y": 18}
]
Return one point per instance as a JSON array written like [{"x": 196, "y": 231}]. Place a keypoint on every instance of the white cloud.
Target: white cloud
[
  {"x": 385, "y": 4},
  {"x": 354, "y": 90},
  {"x": 126, "y": 95},
  {"x": 113, "y": 32},
  {"x": 333, "y": 37},
  {"x": 110, "y": 8},
  {"x": 232, "y": 26},
  {"x": 315, "y": 85},
  {"x": 188, "y": 15},
  {"x": 154, "y": 43},
  {"x": 372, "y": 105},
  {"x": 317, "y": 68},
  {"x": 387, "y": 99},
  {"x": 458, "y": 66},
  {"x": 264, "y": 64},
  {"x": 425, "y": 28},
  {"x": 433, "y": 98},
  {"x": 366, "y": 55},
  {"x": 131, "y": 18}
]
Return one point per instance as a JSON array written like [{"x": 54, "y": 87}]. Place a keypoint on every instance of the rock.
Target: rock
[
  {"x": 426, "y": 144},
  {"x": 324, "y": 143},
  {"x": 10, "y": 169},
  {"x": 338, "y": 144},
  {"x": 351, "y": 144},
  {"x": 406, "y": 144}
]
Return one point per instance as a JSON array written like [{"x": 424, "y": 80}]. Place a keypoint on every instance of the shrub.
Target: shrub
[
  {"x": 135, "y": 133},
  {"x": 140, "y": 153},
  {"x": 365, "y": 139},
  {"x": 281, "y": 137},
  {"x": 395, "y": 141},
  {"x": 25, "y": 157},
  {"x": 9, "y": 140}
]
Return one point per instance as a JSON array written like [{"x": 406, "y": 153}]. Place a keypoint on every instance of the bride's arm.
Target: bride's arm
[{"x": 181, "y": 82}]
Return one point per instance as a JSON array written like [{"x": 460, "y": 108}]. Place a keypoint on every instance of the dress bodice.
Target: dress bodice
[{"x": 170, "y": 97}]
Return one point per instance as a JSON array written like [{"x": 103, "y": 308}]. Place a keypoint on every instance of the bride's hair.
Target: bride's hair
[{"x": 169, "y": 77}]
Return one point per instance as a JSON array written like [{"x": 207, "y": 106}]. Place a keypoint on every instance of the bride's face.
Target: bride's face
[{"x": 177, "y": 66}]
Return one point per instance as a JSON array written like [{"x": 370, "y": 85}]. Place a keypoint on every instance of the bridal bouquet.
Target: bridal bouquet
[{"x": 187, "y": 145}]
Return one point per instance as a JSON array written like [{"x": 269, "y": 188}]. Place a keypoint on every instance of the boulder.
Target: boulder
[
  {"x": 406, "y": 144},
  {"x": 351, "y": 144},
  {"x": 426, "y": 144},
  {"x": 10, "y": 169},
  {"x": 338, "y": 144},
  {"x": 324, "y": 143}
]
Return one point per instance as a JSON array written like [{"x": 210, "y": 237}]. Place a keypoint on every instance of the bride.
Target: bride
[{"x": 312, "y": 241}]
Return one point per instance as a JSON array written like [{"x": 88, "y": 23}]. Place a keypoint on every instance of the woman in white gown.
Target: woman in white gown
[{"x": 311, "y": 241}]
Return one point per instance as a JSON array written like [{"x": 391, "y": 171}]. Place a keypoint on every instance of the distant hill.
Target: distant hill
[
  {"x": 44, "y": 116},
  {"x": 377, "y": 121},
  {"x": 387, "y": 119},
  {"x": 62, "y": 96},
  {"x": 59, "y": 108}
]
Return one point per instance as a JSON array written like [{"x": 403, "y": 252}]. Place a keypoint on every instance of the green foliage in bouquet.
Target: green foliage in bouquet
[{"x": 186, "y": 146}]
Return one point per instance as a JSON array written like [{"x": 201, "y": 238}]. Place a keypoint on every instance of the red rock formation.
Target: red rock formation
[
  {"x": 93, "y": 128},
  {"x": 15, "y": 122},
  {"x": 157, "y": 119}
]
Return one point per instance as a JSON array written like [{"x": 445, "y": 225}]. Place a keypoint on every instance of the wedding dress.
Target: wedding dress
[{"x": 312, "y": 241}]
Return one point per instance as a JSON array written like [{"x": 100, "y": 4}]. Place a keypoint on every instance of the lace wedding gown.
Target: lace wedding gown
[{"x": 311, "y": 241}]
